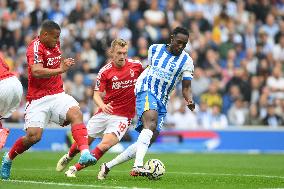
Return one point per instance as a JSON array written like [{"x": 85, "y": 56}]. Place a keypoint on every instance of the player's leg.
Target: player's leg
[
  {"x": 67, "y": 158},
  {"x": 33, "y": 135},
  {"x": 95, "y": 128},
  {"x": 113, "y": 128},
  {"x": 11, "y": 92},
  {"x": 149, "y": 119},
  {"x": 107, "y": 142},
  {"x": 4, "y": 132},
  {"x": 147, "y": 113},
  {"x": 74, "y": 150},
  {"x": 126, "y": 155},
  {"x": 67, "y": 109}
]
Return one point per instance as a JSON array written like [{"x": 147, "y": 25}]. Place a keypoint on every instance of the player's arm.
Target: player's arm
[
  {"x": 100, "y": 87},
  {"x": 39, "y": 71},
  {"x": 187, "y": 95},
  {"x": 98, "y": 98},
  {"x": 187, "y": 76}
]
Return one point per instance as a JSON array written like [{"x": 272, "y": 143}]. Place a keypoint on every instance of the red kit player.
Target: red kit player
[
  {"x": 116, "y": 109},
  {"x": 46, "y": 100},
  {"x": 11, "y": 91}
]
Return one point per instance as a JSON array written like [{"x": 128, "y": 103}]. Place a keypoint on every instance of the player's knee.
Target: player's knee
[
  {"x": 74, "y": 115},
  {"x": 33, "y": 138}
]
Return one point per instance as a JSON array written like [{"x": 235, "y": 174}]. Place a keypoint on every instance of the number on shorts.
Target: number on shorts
[{"x": 122, "y": 126}]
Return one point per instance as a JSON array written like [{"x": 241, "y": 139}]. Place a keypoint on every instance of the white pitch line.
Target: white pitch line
[
  {"x": 228, "y": 174},
  {"x": 181, "y": 173},
  {"x": 72, "y": 184}
]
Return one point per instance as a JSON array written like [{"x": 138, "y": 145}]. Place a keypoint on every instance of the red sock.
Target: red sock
[
  {"x": 79, "y": 166},
  {"x": 73, "y": 150},
  {"x": 80, "y": 135},
  {"x": 17, "y": 148},
  {"x": 97, "y": 153}
]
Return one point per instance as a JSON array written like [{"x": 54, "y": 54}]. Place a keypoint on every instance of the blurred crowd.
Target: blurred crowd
[{"x": 237, "y": 47}]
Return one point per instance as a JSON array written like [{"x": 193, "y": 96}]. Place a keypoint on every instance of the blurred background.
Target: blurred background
[{"x": 237, "y": 47}]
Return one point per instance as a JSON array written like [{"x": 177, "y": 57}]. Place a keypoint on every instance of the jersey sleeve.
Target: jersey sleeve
[
  {"x": 100, "y": 82},
  {"x": 188, "y": 70},
  {"x": 140, "y": 67},
  {"x": 35, "y": 54},
  {"x": 150, "y": 53}
]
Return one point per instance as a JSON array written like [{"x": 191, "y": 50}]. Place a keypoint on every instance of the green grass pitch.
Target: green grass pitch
[{"x": 36, "y": 170}]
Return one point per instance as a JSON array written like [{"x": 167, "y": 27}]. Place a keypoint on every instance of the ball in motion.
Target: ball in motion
[{"x": 156, "y": 167}]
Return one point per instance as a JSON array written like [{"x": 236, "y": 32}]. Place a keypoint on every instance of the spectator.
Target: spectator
[
  {"x": 272, "y": 119},
  {"x": 238, "y": 112},
  {"x": 38, "y": 15},
  {"x": 253, "y": 118},
  {"x": 89, "y": 55},
  {"x": 275, "y": 83},
  {"x": 184, "y": 119},
  {"x": 78, "y": 88},
  {"x": 200, "y": 84},
  {"x": 204, "y": 116},
  {"x": 212, "y": 96},
  {"x": 218, "y": 120},
  {"x": 278, "y": 50}
]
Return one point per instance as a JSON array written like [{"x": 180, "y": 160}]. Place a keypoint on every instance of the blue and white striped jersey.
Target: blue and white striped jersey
[{"x": 164, "y": 72}]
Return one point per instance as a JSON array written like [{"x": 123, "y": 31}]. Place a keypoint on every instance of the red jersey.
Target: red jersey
[
  {"x": 4, "y": 70},
  {"x": 37, "y": 53},
  {"x": 119, "y": 83}
]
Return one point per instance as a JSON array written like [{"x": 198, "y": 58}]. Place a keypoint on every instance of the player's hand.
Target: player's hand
[
  {"x": 107, "y": 108},
  {"x": 191, "y": 105},
  {"x": 66, "y": 64}
]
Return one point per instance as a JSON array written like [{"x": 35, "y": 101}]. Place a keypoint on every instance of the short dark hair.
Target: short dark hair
[
  {"x": 180, "y": 30},
  {"x": 49, "y": 25}
]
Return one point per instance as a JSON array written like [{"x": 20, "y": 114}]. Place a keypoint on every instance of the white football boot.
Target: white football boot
[
  {"x": 71, "y": 172},
  {"x": 63, "y": 162},
  {"x": 104, "y": 170}
]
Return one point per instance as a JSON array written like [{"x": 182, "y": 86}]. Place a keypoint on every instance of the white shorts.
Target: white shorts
[
  {"x": 11, "y": 92},
  {"x": 103, "y": 123},
  {"x": 48, "y": 109}
]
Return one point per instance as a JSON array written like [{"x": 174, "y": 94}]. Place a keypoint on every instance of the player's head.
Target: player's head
[
  {"x": 119, "y": 50},
  {"x": 49, "y": 33},
  {"x": 179, "y": 39}
]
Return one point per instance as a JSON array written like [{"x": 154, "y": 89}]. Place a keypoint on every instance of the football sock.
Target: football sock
[
  {"x": 80, "y": 135},
  {"x": 97, "y": 153},
  {"x": 79, "y": 166},
  {"x": 17, "y": 149},
  {"x": 73, "y": 150},
  {"x": 143, "y": 142},
  {"x": 126, "y": 155}
]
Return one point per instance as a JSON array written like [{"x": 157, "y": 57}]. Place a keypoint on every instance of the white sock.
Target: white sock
[
  {"x": 85, "y": 151},
  {"x": 143, "y": 142},
  {"x": 8, "y": 157},
  {"x": 126, "y": 155}
]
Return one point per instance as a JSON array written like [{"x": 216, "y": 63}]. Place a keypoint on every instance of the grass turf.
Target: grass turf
[{"x": 36, "y": 170}]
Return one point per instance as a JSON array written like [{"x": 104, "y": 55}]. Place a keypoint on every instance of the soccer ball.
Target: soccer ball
[{"x": 156, "y": 167}]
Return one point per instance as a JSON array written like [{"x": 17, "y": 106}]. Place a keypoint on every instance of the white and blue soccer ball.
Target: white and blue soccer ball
[{"x": 156, "y": 167}]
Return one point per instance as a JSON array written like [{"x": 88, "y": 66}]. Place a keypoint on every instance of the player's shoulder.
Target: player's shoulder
[
  {"x": 105, "y": 68},
  {"x": 134, "y": 64},
  {"x": 188, "y": 58},
  {"x": 154, "y": 47},
  {"x": 134, "y": 61},
  {"x": 35, "y": 45}
]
